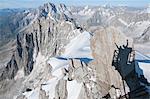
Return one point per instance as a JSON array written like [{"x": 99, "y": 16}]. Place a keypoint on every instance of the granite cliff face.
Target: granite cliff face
[{"x": 44, "y": 33}]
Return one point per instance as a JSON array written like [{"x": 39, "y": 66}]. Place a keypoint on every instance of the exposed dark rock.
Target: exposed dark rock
[
  {"x": 10, "y": 70},
  {"x": 19, "y": 47},
  {"x": 29, "y": 49},
  {"x": 28, "y": 89}
]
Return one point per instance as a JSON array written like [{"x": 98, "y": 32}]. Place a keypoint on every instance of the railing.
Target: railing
[
  {"x": 131, "y": 57},
  {"x": 116, "y": 59},
  {"x": 116, "y": 52},
  {"x": 127, "y": 64}
]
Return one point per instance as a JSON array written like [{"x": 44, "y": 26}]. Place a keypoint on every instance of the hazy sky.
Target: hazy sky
[{"x": 36, "y": 3}]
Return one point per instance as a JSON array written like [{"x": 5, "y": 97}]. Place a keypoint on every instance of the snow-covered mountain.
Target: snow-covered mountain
[
  {"x": 66, "y": 52},
  {"x": 133, "y": 22}
]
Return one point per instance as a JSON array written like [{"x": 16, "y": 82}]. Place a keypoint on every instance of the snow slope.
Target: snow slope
[
  {"x": 34, "y": 94},
  {"x": 138, "y": 28},
  {"x": 57, "y": 64},
  {"x": 49, "y": 87},
  {"x": 146, "y": 69},
  {"x": 74, "y": 89},
  {"x": 142, "y": 65},
  {"x": 140, "y": 56},
  {"x": 79, "y": 47}
]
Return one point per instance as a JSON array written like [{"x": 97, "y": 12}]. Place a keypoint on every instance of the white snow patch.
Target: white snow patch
[
  {"x": 20, "y": 74},
  {"x": 50, "y": 87},
  {"x": 57, "y": 73},
  {"x": 38, "y": 67},
  {"x": 32, "y": 94},
  {"x": 34, "y": 54},
  {"x": 138, "y": 28},
  {"x": 69, "y": 22},
  {"x": 141, "y": 56},
  {"x": 146, "y": 69},
  {"x": 50, "y": 16},
  {"x": 40, "y": 59},
  {"x": 118, "y": 93},
  {"x": 86, "y": 12},
  {"x": 142, "y": 65},
  {"x": 123, "y": 22},
  {"x": 58, "y": 63},
  {"x": 79, "y": 47},
  {"x": 73, "y": 88}
]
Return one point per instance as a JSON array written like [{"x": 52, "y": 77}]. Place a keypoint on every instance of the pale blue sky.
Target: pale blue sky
[{"x": 36, "y": 3}]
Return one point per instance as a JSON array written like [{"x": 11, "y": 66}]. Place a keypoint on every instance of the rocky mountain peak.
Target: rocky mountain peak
[
  {"x": 60, "y": 12},
  {"x": 63, "y": 7},
  {"x": 47, "y": 8}
]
